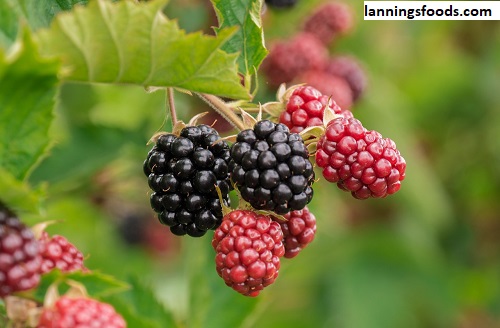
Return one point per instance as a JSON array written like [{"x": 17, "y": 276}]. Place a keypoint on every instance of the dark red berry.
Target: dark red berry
[
  {"x": 330, "y": 21},
  {"x": 20, "y": 258},
  {"x": 183, "y": 171},
  {"x": 249, "y": 247},
  {"x": 271, "y": 169},
  {"x": 360, "y": 161},
  {"x": 298, "y": 231},
  {"x": 58, "y": 252},
  {"x": 289, "y": 59},
  {"x": 349, "y": 69},
  {"x": 80, "y": 312},
  {"x": 306, "y": 106}
]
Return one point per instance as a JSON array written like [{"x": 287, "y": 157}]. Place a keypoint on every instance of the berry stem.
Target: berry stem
[
  {"x": 171, "y": 105},
  {"x": 223, "y": 109}
]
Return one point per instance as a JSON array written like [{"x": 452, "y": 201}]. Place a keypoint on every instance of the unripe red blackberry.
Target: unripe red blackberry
[
  {"x": 328, "y": 84},
  {"x": 249, "y": 247},
  {"x": 350, "y": 69},
  {"x": 271, "y": 169},
  {"x": 58, "y": 252},
  {"x": 360, "y": 161},
  {"x": 330, "y": 21},
  {"x": 288, "y": 59},
  {"x": 20, "y": 258},
  {"x": 183, "y": 171},
  {"x": 70, "y": 312},
  {"x": 298, "y": 231},
  {"x": 305, "y": 107}
]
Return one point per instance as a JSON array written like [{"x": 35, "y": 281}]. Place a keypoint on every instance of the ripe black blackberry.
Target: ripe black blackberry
[
  {"x": 271, "y": 169},
  {"x": 183, "y": 172}
]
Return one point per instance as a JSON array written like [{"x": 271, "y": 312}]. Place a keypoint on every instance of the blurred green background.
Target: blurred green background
[{"x": 428, "y": 256}]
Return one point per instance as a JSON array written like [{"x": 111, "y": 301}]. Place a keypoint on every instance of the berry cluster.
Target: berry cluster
[
  {"x": 191, "y": 173},
  {"x": 184, "y": 171},
  {"x": 358, "y": 160},
  {"x": 268, "y": 164},
  {"x": 305, "y": 57},
  {"x": 270, "y": 167}
]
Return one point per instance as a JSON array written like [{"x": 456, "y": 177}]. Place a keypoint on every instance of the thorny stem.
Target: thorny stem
[
  {"x": 171, "y": 105},
  {"x": 223, "y": 109}
]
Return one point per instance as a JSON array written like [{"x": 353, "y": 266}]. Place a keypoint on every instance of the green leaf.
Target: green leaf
[
  {"x": 96, "y": 283},
  {"x": 29, "y": 85},
  {"x": 18, "y": 195},
  {"x": 134, "y": 43},
  {"x": 140, "y": 307},
  {"x": 249, "y": 39}
]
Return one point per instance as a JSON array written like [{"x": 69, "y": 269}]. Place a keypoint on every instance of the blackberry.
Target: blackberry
[
  {"x": 20, "y": 258},
  {"x": 249, "y": 247},
  {"x": 281, "y": 3},
  {"x": 183, "y": 172},
  {"x": 288, "y": 59},
  {"x": 360, "y": 161},
  {"x": 298, "y": 231},
  {"x": 133, "y": 229},
  {"x": 330, "y": 21},
  {"x": 306, "y": 106},
  {"x": 58, "y": 252},
  {"x": 80, "y": 312},
  {"x": 270, "y": 167}
]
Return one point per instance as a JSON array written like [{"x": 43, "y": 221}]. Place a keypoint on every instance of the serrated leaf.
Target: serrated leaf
[
  {"x": 134, "y": 43},
  {"x": 140, "y": 307},
  {"x": 97, "y": 284},
  {"x": 249, "y": 39},
  {"x": 29, "y": 85},
  {"x": 18, "y": 195}
]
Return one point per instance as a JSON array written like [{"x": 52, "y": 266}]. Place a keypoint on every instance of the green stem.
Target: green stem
[{"x": 223, "y": 109}]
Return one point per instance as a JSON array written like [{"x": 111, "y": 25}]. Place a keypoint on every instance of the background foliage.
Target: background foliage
[{"x": 425, "y": 257}]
